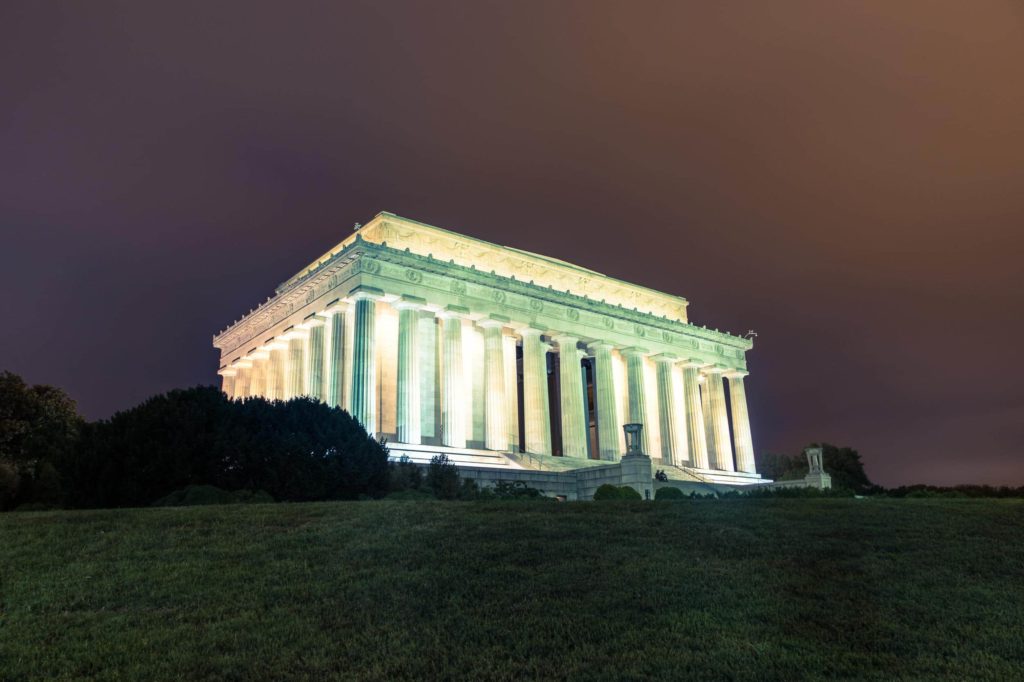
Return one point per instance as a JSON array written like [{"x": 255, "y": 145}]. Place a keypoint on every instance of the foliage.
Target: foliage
[
  {"x": 514, "y": 490},
  {"x": 613, "y": 492},
  {"x": 926, "y": 491},
  {"x": 443, "y": 478},
  {"x": 195, "y": 495},
  {"x": 669, "y": 493},
  {"x": 842, "y": 464},
  {"x": 298, "y": 450},
  {"x": 747, "y": 589},
  {"x": 404, "y": 475},
  {"x": 39, "y": 425}
]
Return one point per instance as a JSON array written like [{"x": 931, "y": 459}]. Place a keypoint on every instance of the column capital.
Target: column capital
[
  {"x": 453, "y": 312},
  {"x": 227, "y": 371},
  {"x": 242, "y": 363},
  {"x": 492, "y": 321},
  {"x": 715, "y": 369},
  {"x": 294, "y": 333},
  {"x": 274, "y": 343},
  {"x": 669, "y": 358},
  {"x": 407, "y": 302},
  {"x": 530, "y": 330},
  {"x": 364, "y": 292},
  {"x": 312, "y": 320},
  {"x": 635, "y": 350},
  {"x": 736, "y": 374},
  {"x": 333, "y": 308},
  {"x": 564, "y": 340},
  {"x": 693, "y": 363}
]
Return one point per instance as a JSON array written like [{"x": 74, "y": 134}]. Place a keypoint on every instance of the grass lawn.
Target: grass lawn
[{"x": 709, "y": 589}]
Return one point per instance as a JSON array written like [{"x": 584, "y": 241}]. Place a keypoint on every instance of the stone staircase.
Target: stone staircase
[{"x": 467, "y": 457}]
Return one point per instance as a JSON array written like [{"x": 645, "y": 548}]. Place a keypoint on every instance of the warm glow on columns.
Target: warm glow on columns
[
  {"x": 228, "y": 382},
  {"x": 495, "y": 409},
  {"x": 667, "y": 408},
  {"x": 574, "y": 417},
  {"x": 243, "y": 374},
  {"x": 536, "y": 408},
  {"x": 295, "y": 370},
  {"x": 741, "y": 423},
  {"x": 509, "y": 344},
  {"x": 334, "y": 355},
  {"x": 275, "y": 370},
  {"x": 719, "y": 419},
  {"x": 607, "y": 407},
  {"x": 693, "y": 408},
  {"x": 364, "y": 369},
  {"x": 453, "y": 386},
  {"x": 637, "y": 392},
  {"x": 408, "y": 383},
  {"x": 315, "y": 357}
]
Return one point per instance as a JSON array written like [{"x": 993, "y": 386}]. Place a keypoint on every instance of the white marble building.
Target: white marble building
[{"x": 501, "y": 358}]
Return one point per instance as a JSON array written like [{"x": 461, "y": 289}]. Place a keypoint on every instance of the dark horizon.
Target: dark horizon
[{"x": 845, "y": 180}]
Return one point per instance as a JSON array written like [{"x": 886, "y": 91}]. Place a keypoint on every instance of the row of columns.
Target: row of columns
[{"x": 310, "y": 360}]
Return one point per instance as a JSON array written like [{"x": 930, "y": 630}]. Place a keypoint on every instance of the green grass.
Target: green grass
[{"x": 733, "y": 589}]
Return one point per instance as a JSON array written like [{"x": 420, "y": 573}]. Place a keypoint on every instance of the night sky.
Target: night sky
[{"x": 847, "y": 179}]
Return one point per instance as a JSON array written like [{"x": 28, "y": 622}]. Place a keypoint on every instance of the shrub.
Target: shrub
[
  {"x": 443, "y": 478},
  {"x": 515, "y": 490},
  {"x": 669, "y": 494},
  {"x": 196, "y": 495},
  {"x": 404, "y": 475},
  {"x": 612, "y": 492}
]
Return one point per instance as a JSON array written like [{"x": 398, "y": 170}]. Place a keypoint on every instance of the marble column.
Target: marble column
[
  {"x": 275, "y": 370},
  {"x": 227, "y": 386},
  {"x": 536, "y": 408},
  {"x": 719, "y": 419},
  {"x": 637, "y": 393},
  {"x": 258, "y": 377},
  {"x": 741, "y": 423},
  {"x": 696, "y": 440},
  {"x": 570, "y": 382},
  {"x": 315, "y": 358},
  {"x": 667, "y": 411},
  {"x": 364, "y": 365},
  {"x": 408, "y": 383},
  {"x": 453, "y": 386},
  {"x": 243, "y": 375},
  {"x": 334, "y": 355},
  {"x": 607, "y": 404},
  {"x": 495, "y": 403},
  {"x": 295, "y": 371},
  {"x": 709, "y": 425},
  {"x": 509, "y": 344}
]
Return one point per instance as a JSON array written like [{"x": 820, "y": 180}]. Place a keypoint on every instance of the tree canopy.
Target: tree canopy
[
  {"x": 299, "y": 450},
  {"x": 842, "y": 464}
]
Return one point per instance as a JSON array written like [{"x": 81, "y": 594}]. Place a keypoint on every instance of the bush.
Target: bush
[
  {"x": 612, "y": 492},
  {"x": 669, "y": 494},
  {"x": 515, "y": 490},
  {"x": 196, "y": 495},
  {"x": 299, "y": 450},
  {"x": 443, "y": 478},
  {"x": 404, "y": 475}
]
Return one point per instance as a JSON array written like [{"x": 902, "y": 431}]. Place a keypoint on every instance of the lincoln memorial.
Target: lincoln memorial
[{"x": 514, "y": 364}]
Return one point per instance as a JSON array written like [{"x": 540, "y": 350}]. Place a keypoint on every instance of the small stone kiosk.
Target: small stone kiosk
[{"x": 513, "y": 364}]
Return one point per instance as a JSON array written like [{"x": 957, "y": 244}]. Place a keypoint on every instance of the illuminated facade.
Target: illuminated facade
[{"x": 498, "y": 357}]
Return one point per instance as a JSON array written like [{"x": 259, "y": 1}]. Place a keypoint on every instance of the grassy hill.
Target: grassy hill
[{"x": 741, "y": 589}]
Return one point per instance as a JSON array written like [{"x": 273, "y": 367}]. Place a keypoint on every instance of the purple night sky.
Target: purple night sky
[{"x": 845, "y": 178}]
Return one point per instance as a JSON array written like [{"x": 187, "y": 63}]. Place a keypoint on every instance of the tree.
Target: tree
[
  {"x": 842, "y": 464},
  {"x": 299, "y": 450},
  {"x": 39, "y": 426}
]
